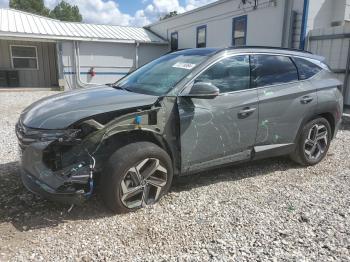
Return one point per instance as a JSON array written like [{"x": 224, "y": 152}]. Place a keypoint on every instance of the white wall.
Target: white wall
[
  {"x": 149, "y": 52},
  {"x": 265, "y": 24},
  {"x": 110, "y": 61},
  {"x": 320, "y": 13},
  {"x": 323, "y": 12},
  {"x": 67, "y": 63},
  {"x": 347, "y": 10}
]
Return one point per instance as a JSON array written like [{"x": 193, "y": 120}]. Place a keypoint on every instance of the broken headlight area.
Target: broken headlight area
[
  {"x": 59, "y": 155},
  {"x": 27, "y": 136},
  {"x": 60, "y": 149},
  {"x": 71, "y": 164}
]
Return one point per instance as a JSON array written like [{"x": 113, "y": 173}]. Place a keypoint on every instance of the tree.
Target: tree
[
  {"x": 31, "y": 6},
  {"x": 63, "y": 11},
  {"x": 66, "y": 12},
  {"x": 171, "y": 14}
]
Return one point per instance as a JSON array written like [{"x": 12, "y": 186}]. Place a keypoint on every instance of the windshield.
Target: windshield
[{"x": 161, "y": 75}]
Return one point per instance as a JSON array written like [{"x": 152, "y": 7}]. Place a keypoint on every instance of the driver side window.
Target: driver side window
[{"x": 229, "y": 74}]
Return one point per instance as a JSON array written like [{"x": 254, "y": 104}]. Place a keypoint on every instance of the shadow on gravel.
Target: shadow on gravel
[
  {"x": 240, "y": 171},
  {"x": 26, "y": 211},
  {"x": 233, "y": 173},
  {"x": 346, "y": 124}
]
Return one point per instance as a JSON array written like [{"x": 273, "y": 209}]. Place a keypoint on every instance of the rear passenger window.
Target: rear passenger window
[
  {"x": 271, "y": 70},
  {"x": 229, "y": 74},
  {"x": 306, "y": 68}
]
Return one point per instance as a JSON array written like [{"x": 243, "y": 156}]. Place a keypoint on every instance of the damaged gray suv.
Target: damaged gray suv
[{"x": 185, "y": 112}]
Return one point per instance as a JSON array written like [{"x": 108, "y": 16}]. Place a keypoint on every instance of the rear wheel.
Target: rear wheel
[
  {"x": 135, "y": 176},
  {"x": 313, "y": 143}
]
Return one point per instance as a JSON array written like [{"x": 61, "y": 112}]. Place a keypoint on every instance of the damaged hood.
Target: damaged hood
[{"x": 61, "y": 110}]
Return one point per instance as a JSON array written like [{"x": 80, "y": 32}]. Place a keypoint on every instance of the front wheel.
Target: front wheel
[
  {"x": 313, "y": 143},
  {"x": 136, "y": 175}
]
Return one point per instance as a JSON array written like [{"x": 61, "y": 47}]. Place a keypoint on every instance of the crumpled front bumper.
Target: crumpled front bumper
[
  {"x": 40, "y": 188},
  {"x": 41, "y": 180}
]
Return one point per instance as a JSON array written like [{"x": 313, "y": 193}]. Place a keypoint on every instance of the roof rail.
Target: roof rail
[{"x": 268, "y": 47}]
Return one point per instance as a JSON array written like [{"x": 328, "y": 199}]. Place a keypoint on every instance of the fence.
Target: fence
[{"x": 334, "y": 44}]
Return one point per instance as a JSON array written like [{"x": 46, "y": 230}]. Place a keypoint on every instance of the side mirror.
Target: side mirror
[{"x": 204, "y": 90}]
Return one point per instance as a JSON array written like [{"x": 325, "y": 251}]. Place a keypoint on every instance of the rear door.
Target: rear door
[
  {"x": 220, "y": 130},
  {"x": 284, "y": 100}
]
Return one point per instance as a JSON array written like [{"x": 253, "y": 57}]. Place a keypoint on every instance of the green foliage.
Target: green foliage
[
  {"x": 66, "y": 12},
  {"x": 171, "y": 14},
  {"x": 31, "y": 6},
  {"x": 63, "y": 11}
]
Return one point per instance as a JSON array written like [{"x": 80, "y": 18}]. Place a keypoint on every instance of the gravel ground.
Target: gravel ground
[{"x": 266, "y": 210}]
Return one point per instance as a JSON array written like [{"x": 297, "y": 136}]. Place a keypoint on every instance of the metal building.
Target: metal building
[
  {"x": 36, "y": 51},
  {"x": 251, "y": 22},
  {"x": 280, "y": 23}
]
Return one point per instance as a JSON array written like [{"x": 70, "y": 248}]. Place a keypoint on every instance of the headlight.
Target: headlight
[
  {"x": 32, "y": 135},
  {"x": 60, "y": 135}
]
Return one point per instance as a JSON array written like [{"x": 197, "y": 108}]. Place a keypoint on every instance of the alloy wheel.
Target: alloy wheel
[
  {"x": 142, "y": 184},
  {"x": 316, "y": 142}
]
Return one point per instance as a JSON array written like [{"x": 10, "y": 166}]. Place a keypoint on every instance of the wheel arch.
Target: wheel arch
[
  {"x": 331, "y": 120},
  {"x": 123, "y": 138},
  {"x": 327, "y": 115}
]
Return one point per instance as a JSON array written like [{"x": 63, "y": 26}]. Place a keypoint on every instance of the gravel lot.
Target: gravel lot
[{"x": 266, "y": 210}]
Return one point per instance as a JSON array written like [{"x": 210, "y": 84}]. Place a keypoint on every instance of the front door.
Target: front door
[{"x": 220, "y": 130}]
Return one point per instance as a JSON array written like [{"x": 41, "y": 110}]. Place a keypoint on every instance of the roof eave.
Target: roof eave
[{"x": 68, "y": 38}]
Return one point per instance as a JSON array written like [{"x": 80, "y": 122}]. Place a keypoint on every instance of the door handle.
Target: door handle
[
  {"x": 306, "y": 99},
  {"x": 245, "y": 112}
]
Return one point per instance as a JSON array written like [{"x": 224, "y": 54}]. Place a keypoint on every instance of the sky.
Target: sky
[{"x": 126, "y": 12}]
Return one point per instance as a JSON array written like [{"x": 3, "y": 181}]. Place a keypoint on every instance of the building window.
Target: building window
[
  {"x": 201, "y": 36},
  {"x": 174, "y": 41},
  {"x": 24, "y": 57},
  {"x": 239, "y": 32}
]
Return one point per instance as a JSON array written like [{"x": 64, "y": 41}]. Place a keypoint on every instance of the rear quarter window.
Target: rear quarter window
[{"x": 306, "y": 68}]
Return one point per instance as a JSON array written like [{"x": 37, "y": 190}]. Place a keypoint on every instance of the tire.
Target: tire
[
  {"x": 310, "y": 150},
  {"x": 124, "y": 184}
]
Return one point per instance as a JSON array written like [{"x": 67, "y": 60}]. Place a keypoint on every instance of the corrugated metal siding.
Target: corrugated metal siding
[
  {"x": 148, "y": 53},
  {"x": 18, "y": 23},
  {"x": 110, "y": 61},
  {"x": 45, "y": 76},
  {"x": 335, "y": 51}
]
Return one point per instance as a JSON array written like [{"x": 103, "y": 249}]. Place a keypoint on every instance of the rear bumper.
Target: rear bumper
[{"x": 38, "y": 187}]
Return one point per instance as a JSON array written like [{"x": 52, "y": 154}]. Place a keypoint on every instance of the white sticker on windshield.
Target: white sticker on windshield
[{"x": 187, "y": 66}]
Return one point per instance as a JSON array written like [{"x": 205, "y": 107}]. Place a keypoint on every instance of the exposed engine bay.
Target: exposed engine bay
[{"x": 70, "y": 161}]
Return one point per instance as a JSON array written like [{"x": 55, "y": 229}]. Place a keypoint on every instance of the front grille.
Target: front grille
[{"x": 25, "y": 137}]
